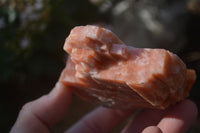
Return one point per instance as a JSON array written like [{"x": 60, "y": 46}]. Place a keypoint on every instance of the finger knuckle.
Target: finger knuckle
[{"x": 92, "y": 126}]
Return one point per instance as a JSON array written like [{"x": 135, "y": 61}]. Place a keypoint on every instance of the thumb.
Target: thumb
[{"x": 41, "y": 114}]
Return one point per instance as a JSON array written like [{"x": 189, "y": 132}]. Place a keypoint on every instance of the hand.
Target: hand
[{"x": 42, "y": 114}]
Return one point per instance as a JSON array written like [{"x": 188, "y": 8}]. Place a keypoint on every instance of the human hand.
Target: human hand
[{"x": 42, "y": 114}]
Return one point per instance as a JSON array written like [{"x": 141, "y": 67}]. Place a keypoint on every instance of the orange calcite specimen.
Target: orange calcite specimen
[{"x": 102, "y": 69}]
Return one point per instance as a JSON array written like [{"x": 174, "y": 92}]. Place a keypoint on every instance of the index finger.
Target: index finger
[
  {"x": 101, "y": 120},
  {"x": 179, "y": 117}
]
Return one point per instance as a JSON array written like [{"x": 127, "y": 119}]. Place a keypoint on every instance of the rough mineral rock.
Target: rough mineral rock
[{"x": 103, "y": 70}]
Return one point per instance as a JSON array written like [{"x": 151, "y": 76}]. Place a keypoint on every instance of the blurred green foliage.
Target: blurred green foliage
[{"x": 33, "y": 32}]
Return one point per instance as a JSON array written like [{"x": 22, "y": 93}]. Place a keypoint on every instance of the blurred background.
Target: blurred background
[{"x": 32, "y": 34}]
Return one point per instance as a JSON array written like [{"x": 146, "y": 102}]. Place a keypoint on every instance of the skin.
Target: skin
[{"x": 33, "y": 117}]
